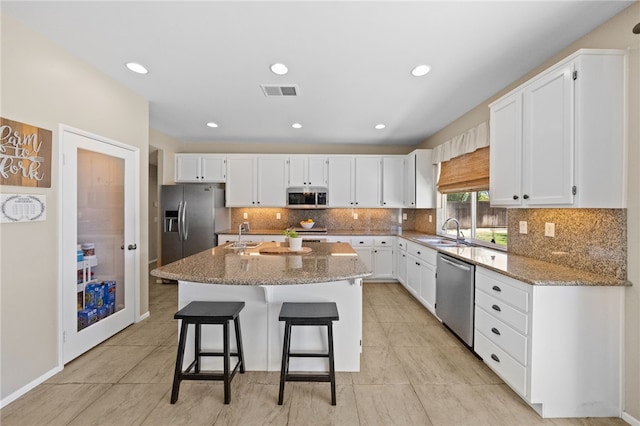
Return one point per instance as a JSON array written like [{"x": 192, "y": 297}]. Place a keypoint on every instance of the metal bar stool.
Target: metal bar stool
[
  {"x": 294, "y": 314},
  {"x": 213, "y": 313}
]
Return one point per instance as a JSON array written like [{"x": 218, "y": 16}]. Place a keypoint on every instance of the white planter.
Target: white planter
[{"x": 295, "y": 244}]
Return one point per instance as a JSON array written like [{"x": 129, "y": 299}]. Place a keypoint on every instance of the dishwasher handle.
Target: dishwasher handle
[{"x": 456, "y": 265}]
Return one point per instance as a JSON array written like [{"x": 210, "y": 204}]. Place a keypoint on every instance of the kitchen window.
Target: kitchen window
[{"x": 479, "y": 222}]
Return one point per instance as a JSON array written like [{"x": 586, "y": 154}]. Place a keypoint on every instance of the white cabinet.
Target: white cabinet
[
  {"x": 341, "y": 175},
  {"x": 420, "y": 180},
  {"x": 200, "y": 168},
  {"x": 558, "y": 347},
  {"x": 421, "y": 274},
  {"x": 308, "y": 170},
  {"x": 393, "y": 181},
  {"x": 558, "y": 140},
  {"x": 256, "y": 181},
  {"x": 368, "y": 181},
  {"x": 377, "y": 253},
  {"x": 401, "y": 261},
  {"x": 355, "y": 181}
]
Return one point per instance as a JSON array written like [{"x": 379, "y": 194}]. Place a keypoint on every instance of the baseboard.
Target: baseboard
[
  {"x": 144, "y": 316},
  {"x": 26, "y": 388},
  {"x": 630, "y": 419}
]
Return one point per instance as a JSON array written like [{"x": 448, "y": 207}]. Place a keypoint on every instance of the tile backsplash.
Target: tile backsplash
[{"x": 593, "y": 240}]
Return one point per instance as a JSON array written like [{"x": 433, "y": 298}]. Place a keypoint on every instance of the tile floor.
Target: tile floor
[{"x": 413, "y": 372}]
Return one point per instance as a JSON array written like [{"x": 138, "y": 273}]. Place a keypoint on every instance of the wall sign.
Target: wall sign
[
  {"x": 22, "y": 208},
  {"x": 25, "y": 155}
]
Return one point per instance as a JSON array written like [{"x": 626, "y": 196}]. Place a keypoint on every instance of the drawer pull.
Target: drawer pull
[
  {"x": 495, "y": 331},
  {"x": 496, "y": 308},
  {"x": 496, "y": 288},
  {"x": 495, "y": 357}
]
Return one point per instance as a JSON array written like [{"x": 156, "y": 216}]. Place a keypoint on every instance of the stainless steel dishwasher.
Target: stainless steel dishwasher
[{"x": 455, "y": 296}]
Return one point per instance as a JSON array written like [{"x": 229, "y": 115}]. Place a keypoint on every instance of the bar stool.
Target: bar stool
[
  {"x": 294, "y": 314},
  {"x": 210, "y": 313}
]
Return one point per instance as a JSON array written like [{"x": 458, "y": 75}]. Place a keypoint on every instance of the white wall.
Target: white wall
[
  {"x": 614, "y": 34},
  {"x": 43, "y": 85}
]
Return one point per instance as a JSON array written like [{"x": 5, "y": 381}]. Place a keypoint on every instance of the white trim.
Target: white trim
[
  {"x": 29, "y": 386},
  {"x": 143, "y": 316},
  {"x": 630, "y": 419}
]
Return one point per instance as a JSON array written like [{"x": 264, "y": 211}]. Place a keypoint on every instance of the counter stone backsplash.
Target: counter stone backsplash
[
  {"x": 593, "y": 240},
  {"x": 332, "y": 219}
]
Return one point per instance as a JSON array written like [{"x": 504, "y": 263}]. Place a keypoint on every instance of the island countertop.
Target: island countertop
[{"x": 326, "y": 262}]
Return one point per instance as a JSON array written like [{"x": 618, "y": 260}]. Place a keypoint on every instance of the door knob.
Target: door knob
[{"x": 132, "y": 246}]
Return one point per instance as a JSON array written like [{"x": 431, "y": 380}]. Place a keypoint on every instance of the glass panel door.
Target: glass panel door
[{"x": 98, "y": 224}]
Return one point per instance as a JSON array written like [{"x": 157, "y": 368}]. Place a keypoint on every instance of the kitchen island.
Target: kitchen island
[{"x": 264, "y": 276}]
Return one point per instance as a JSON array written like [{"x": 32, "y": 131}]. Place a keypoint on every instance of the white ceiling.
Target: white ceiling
[{"x": 351, "y": 60}]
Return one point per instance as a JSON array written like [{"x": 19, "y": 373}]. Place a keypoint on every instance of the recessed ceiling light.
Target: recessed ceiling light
[
  {"x": 296, "y": 126},
  {"x": 380, "y": 126},
  {"x": 212, "y": 124},
  {"x": 137, "y": 68},
  {"x": 280, "y": 69},
  {"x": 420, "y": 70}
]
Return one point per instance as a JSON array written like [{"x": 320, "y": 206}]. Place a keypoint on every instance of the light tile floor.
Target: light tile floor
[{"x": 413, "y": 372}]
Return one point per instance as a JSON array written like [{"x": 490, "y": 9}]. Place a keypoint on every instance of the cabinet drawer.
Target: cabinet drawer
[
  {"x": 383, "y": 241},
  {"x": 514, "y": 374},
  {"x": 423, "y": 253},
  {"x": 509, "y": 340},
  {"x": 338, "y": 239},
  {"x": 361, "y": 241},
  {"x": 402, "y": 244},
  {"x": 501, "y": 288},
  {"x": 502, "y": 311}
]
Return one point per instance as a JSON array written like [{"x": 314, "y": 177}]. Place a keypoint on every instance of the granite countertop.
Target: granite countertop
[
  {"x": 326, "y": 262},
  {"x": 522, "y": 268}
]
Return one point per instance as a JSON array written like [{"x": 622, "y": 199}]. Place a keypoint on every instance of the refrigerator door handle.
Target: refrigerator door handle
[
  {"x": 185, "y": 222},
  {"x": 180, "y": 220}
]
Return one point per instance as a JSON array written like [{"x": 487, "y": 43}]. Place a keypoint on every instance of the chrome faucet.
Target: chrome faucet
[
  {"x": 459, "y": 234},
  {"x": 241, "y": 228}
]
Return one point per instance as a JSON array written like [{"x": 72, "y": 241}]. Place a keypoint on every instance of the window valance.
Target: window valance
[{"x": 471, "y": 140}]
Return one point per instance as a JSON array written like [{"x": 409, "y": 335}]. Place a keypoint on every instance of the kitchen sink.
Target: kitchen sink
[
  {"x": 244, "y": 245},
  {"x": 439, "y": 242}
]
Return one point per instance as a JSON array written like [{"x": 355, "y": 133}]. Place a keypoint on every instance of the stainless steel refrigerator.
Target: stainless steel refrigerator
[{"x": 191, "y": 214}]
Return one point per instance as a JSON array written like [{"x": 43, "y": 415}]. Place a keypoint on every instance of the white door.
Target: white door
[
  {"x": 272, "y": 181},
  {"x": 367, "y": 182},
  {"x": 99, "y": 189},
  {"x": 241, "y": 178},
  {"x": 506, "y": 152},
  {"x": 340, "y": 181},
  {"x": 392, "y": 182}
]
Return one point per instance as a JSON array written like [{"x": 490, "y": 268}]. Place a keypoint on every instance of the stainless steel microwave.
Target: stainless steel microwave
[{"x": 306, "y": 198}]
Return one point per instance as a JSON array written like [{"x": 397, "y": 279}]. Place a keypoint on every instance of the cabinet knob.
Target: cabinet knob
[
  {"x": 495, "y": 357},
  {"x": 419, "y": 253},
  {"x": 525, "y": 196},
  {"x": 496, "y": 288},
  {"x": 515, "y": 197},
  {"x": 495, "y": 331},
  {"x": 496, "y": 308}
]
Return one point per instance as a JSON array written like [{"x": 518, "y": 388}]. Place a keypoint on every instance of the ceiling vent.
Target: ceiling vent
[{"x": 278, "y": 90}]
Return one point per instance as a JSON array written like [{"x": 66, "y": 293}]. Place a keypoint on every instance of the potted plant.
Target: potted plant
[{"x": 295, "y": 241}]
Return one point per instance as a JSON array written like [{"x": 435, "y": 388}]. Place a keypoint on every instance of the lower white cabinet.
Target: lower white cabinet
[
  {"x": 558, "y": 347},
  {"x": 377, "y": 253},
  {"x": 401, "y": 261},
  {"x": 421, "y": 274}
]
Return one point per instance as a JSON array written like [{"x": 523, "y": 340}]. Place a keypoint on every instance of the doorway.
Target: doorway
[{"x": 98, "y": 237}]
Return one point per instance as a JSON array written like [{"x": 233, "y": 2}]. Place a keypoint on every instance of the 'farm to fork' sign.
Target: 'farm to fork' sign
[{"x": 25, "y": 155}]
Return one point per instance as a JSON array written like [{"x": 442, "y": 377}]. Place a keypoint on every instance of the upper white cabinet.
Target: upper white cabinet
[
  {"x": 420, "y": 180},
  {"x": 200, "y": 168},
  {"x": 256, "y": 181},
  {"x": 393, "y": 181},
  {"x": 558, "y": 140},
  {"x": 354, "y": 181},
  {"x": 308, "y": 170}
]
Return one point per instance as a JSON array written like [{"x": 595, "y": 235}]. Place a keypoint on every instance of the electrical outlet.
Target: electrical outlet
[
  {"x": 404, "y": 216},
  {"x": 550, "y": 230},
  {"x": 355, "y": 216},
  {"x": 245, "y": 215},
  {"x": 523, "y": 226},
  {"x": 278, "y": 217},
  {"x": 430, "y": 218}
]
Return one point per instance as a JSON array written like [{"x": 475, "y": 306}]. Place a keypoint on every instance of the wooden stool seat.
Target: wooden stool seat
[
  {"x": 306, "y": 314},
  {"x": 209, "y": 313}
]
